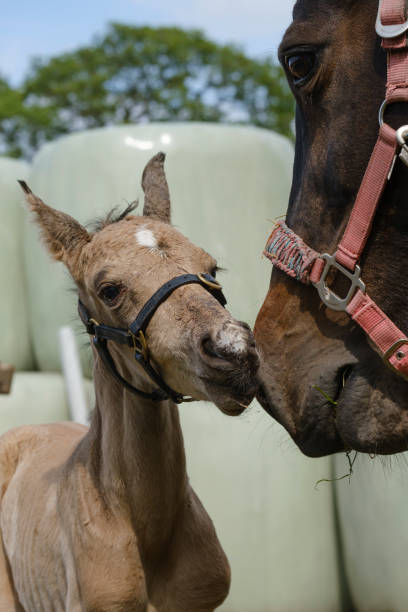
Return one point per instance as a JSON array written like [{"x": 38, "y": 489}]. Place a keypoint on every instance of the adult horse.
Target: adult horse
[{"x": 324, "y": 379}]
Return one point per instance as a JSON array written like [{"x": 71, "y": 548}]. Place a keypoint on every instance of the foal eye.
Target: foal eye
[
  {"x": 109, "y": 294},
  {"x": 301, "y": 66}
]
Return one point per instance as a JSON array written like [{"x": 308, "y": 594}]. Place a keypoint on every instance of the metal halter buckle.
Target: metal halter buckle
[
  {"x": 391, "y": 351},
  {"x": 328, "y": 297},
  {"x": 388, "y": 354},
  {"x": 389, "y": 31},
  {"x": 140, "y": 344}
]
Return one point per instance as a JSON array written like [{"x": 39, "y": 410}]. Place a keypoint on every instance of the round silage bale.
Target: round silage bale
[
  {"x": 374, "y": 526},
  {"x": 36, "y": 398},
  {"x": 15, "y": 343}
]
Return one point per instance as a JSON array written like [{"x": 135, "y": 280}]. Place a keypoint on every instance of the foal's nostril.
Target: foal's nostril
[
  {"x": 232, "y": 342},
  {"x": 208, "y": 347}
]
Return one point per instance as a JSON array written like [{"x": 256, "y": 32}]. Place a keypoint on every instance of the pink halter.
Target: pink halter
[{"x": 289, "y": 253}]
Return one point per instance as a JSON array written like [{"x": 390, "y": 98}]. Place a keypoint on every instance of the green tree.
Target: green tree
[
  {"x": 139, "y": 74},
  {"x": 21, "y": 122}
]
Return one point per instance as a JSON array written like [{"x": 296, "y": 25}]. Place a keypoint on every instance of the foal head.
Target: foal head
[{"x": 195, "y": 344}]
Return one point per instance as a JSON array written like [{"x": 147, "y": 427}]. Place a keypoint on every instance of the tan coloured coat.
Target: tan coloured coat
[{"x": 104, "y": 519}]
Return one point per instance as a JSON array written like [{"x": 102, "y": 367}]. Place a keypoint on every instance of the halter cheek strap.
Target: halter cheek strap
[
  {"x": 134, "y": 337},
  {"x": 288, "y": 252}
]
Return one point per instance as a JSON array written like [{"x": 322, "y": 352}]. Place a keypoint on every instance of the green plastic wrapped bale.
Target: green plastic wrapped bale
[
  {"x": 35, "y": 397},
  {"x": 15, "y": 345},
  {"x": 374, "y": 524}
]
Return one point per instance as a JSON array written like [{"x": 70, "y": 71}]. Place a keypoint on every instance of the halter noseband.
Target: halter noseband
[
  {"x": 288, "y": 252},
  {"x": 134, "y": 337}
]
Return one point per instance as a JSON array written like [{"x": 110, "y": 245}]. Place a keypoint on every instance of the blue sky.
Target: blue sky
[{"x": 45, "y": 27}]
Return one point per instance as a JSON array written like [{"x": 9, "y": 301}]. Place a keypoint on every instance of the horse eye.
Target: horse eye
[
  {"x": 301, "y": 66},
  {"x": 109, "y": 294},
  {"x": 213, "y": 272}
]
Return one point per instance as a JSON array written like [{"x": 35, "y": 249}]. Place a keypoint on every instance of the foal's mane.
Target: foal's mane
[{"x": 113, "y": 216}]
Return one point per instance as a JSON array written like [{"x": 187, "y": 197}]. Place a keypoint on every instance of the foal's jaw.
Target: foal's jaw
[
  {"x": 227, "y": 363},
  {"x": 218, "y": 365}
]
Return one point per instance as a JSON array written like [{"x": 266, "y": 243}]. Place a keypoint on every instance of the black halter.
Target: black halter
[{"x": 135, "y": 335}]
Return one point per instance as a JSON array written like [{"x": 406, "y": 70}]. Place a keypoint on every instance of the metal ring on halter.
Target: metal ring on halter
[
  {"x": 381, "y": 112},
  {"x": 208, "y": 282},
  {"x": 402, "y": 131}
]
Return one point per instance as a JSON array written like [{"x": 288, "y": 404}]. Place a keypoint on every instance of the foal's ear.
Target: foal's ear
[
  {"x": 63, "y": 236},
  {"x": 156, "y": 190}
]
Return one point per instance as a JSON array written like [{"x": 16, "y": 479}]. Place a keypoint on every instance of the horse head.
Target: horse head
[{"x": 321, "y": 376}]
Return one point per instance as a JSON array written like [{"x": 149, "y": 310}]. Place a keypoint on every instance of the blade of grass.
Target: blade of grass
[
  {"x": 351, "y": 463},
  {"x": 325, "y": 395}
]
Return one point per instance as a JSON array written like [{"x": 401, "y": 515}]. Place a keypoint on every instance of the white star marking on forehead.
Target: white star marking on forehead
[{"x": 146, "y": 238}]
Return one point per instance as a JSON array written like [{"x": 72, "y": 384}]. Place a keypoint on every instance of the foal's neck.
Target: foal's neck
[{"x": 138, "y": 457}]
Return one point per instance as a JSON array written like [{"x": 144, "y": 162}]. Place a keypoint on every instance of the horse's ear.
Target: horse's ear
[
  {"x": 63, "y": 236},
  {"x": 156, "y": 190}
]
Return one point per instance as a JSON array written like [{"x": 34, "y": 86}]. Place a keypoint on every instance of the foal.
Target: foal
[{"x": 104, "y": 519}]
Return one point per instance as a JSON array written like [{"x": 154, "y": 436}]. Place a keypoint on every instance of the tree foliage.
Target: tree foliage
[{"x": 140, "y": 74}]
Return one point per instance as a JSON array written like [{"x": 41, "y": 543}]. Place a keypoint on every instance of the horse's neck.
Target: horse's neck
[{"x": 138, "y": 457}]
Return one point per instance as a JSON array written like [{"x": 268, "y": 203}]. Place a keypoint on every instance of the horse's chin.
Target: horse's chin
[
  {"x": 372, "y": 411},
  {"x": 365, "y": 411},
  {"x": 316, "y": 434}
]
